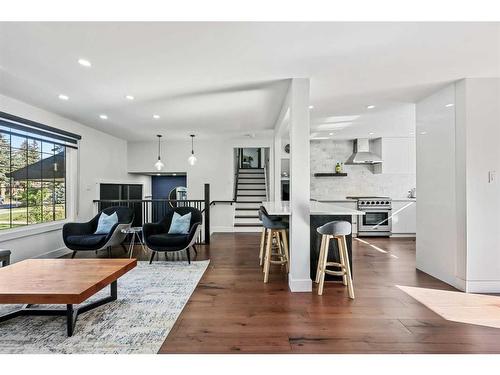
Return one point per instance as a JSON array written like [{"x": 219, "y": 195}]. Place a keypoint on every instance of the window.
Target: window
[{"x": 32, "y": 173}]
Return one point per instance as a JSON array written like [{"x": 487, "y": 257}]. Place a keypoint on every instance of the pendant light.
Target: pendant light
[
  {"x": 192, "y": 159},
  {"x": 159, "y": 164}
]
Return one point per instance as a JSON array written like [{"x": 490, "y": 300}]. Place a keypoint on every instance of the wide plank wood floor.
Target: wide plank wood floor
[{"x": 233, "y": 311}]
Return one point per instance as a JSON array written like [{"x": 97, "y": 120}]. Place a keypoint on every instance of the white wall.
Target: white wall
[
  {"x": 102, "y": 159},
  {"x": 458, "y": 206},
  {"x": 482, "y": 136},
  {"x": 215, "y": 166},
  {"x": 437, "y": 231}
]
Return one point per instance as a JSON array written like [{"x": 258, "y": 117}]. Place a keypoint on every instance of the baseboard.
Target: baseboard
[
  {"x": 221, "y": 230},
  {"x": 299, "y": 285},
  {"x": 460, "y": 284},
  {"x": 247, "y": 229},
  {"x": 455, "y": 282},
  {"x": 54, "y": 253},
  {"x": 488, "y": 286},
  {"x": 403, "y": 235}
]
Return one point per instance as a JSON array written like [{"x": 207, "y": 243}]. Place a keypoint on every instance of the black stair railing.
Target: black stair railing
[{"x": 153, "y": 210}]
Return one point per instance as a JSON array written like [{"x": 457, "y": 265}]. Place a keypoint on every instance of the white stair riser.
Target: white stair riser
[
  {"x": 246, "y": 220},
  {"x": 247, "y": 211},
  {"x": 252, "y": 186},
  {"x": 251, "y": 199},
  {"x": 253, "y": 206},
  {"x": 256, "y": 170},
  {"x": 251, "y": 192},
  {"x": 250, "y": 179}
]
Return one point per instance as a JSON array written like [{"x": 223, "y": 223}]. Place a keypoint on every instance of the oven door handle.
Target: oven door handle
[{"x": 375, "y": 209}]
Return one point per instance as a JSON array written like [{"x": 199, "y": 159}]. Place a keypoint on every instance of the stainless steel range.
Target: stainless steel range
[{"x": 377, "y": 219}]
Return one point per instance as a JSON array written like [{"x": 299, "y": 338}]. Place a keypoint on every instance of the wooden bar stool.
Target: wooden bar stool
[
  {"x": 263, "y": 211},
  {"x": 273, "y": 229},
  {"x": 336, "y": 230}
]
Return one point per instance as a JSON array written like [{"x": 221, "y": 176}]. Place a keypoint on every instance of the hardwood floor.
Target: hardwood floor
[{"x": 233, "y": 311}]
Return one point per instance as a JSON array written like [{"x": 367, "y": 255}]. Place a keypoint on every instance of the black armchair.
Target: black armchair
[
  {"x": 157, "y": 238},
  {"x": 81, "y": 237}
]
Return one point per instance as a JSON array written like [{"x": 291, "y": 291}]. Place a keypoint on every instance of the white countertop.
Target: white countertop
[{"x": 282, "y": 208}]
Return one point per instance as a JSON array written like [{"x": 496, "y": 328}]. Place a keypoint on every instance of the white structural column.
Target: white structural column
[
  {"x": 276, "y": 193},
  {"x": 299, "y": 279}
]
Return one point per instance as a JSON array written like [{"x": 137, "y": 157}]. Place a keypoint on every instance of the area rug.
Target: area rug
[{"x": 150, "y": 299}]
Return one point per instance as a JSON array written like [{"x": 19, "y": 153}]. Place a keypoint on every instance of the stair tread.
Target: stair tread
[
  {"x": 246, "y": 216},
  {"x": 247, "y": 225}
]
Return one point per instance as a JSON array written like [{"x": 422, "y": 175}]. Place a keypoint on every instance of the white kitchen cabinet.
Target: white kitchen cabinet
[
  {"x": 398, "y": 156},
  {"x": 404, "y": 217}
]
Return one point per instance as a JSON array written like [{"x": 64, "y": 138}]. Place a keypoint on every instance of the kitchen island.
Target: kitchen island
[{"x": 320, "y": 213}]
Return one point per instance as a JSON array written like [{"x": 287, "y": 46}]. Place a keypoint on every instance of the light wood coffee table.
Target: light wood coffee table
[{"x": 60, "y": 281}]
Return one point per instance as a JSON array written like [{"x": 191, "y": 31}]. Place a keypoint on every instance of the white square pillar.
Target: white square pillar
[{"x": 299, "y": 279}]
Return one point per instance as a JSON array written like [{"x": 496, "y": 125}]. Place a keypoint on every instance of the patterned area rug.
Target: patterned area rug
[{"x": 150, "y": 299}]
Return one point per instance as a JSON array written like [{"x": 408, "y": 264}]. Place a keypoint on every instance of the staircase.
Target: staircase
[{"x": 251, "y": 191}]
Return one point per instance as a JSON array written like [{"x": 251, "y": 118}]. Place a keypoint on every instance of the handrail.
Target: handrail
[{"x": 238, "y": 156}]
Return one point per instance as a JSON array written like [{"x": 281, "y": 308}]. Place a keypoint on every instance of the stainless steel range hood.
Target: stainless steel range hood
[{"x": 362, "y": 153}]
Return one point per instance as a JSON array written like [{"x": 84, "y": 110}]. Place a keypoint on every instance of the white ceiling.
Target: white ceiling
[{"x": 230, "y": 78}]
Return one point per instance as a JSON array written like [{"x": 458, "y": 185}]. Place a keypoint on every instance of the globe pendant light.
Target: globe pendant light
[
  {"x": 192, "y": 159},
  {"x": 159, "y": 164}
]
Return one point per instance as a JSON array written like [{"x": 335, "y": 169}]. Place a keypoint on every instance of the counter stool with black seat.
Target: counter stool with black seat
[
  {"x": 263, "y": 211},
  {"x": 274, "y": 229},
  {"x": 337, "y": 230}
]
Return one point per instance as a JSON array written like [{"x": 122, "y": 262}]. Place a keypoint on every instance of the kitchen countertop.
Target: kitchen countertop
[{"x": 316, "y": 208}]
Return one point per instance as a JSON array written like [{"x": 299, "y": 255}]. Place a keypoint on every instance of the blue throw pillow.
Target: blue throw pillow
[
  {"x": 106, "y": 222},
  {"x": 180, "y": 224}
]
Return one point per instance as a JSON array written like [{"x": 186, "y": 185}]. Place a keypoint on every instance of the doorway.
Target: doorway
[
  {"x": 251, "y": 158},
  {"x": 167, "y": 187}
]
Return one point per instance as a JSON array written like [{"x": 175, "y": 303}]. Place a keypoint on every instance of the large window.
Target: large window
[{"x": 32, "y": 179}]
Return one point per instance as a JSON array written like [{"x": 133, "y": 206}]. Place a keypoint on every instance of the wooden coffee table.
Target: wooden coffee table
[{"x": 59, "y": 281}]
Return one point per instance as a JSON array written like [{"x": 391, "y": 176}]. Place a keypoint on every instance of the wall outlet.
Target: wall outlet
[{"x": 492, "y": 175}]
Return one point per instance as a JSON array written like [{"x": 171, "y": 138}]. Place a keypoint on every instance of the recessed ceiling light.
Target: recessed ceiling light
[
  {"x": 156, "y": 117},
  {"x": 174, "y": 174},
  {"x": 371, "y": 106},
  {"x": 63, "y": 97},
  {"x": 330, "y": 133},
  {"x": 423, "y": 133},
  {"x": 449, "y": 105},
  {"x": 311, "y": 107},
  {"x": 85, "y": 63},
  {"x": 371, "y": 133},
  {"x": 129, "y": 97},
  {"x": 103, "y": 117}
]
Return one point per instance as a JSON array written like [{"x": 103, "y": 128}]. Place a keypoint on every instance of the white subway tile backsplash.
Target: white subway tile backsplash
[{"x": 360, "y": 179}]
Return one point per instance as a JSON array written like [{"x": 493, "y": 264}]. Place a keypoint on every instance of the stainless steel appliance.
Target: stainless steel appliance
[{"x": 377, "y": 219}]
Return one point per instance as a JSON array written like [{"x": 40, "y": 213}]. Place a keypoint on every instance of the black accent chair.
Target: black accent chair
[
  {"x": 81, "y": 237},
  {"x": 157, "y": 238}
]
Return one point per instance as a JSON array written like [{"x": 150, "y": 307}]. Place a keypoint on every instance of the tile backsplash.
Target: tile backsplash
[{"x": 360, "y": 179}]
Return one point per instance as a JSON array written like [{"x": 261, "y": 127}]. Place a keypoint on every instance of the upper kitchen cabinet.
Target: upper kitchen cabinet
[{"x": 398, "y": 156}]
